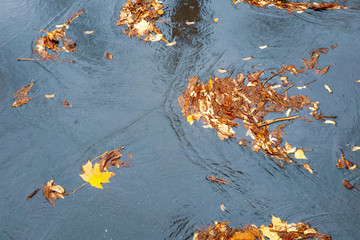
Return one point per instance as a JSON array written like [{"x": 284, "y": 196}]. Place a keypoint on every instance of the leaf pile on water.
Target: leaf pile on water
[
  {"x": 140, "y": 17},
  {"x": 222, "y": 101},
  {"x": 275, "y": 231},
  {"x": 21, "y": 96},
  {"x": 51, "y": 40},
  {"x": 293, "y": 6},
  {"x": 53, "y": 192}
]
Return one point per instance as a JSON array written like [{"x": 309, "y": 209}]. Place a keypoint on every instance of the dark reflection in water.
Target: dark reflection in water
[{"x": 132, "y": 102}]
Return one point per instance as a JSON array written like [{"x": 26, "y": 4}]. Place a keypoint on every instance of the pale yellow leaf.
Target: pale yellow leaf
[
  {"x": 269, "y": 233},
  {"x": 50, "y": 96},
  {"x": 353, "y": 167},
  {"x": 89, "y": 32},
  {"x": 222, "y": 207},
  {"x": 172, "y": 43},
  {"x": 310, "y": 230},
  {"x": 307, "y": 167},
  {"x": 216, "y": 19},
  {"x": 247, "y": 58},
  {"x": 356, "y": 148},
  {"x": 220, "y": 70},
  {"x": 190, "y": 23},
  {"x": 328, "y": 88},
  {"x": 330, "y": 122},
  {"x": 156, "y": 37},
  {"x": 288, "y": 112},
  {"x": 263, "y": 47},
  {"x": 299, "y": 154}
]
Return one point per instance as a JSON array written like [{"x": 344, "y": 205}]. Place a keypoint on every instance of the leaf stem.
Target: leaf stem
[
  {"x": 79, "y": 187},
  {"x": 267, "y": 122},
  {"x": 58, "y": 60}
]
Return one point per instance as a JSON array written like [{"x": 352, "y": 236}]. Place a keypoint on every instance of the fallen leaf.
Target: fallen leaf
[
  {"x": 263, "y": 47},
  {"x": 289, "y": 148},
  {"x": 358, "y": 81},
  {"x": 93, "y": 175},
  {"x": 343, "y": 163},
  {"x": 171, "y": 44},
  {"x": 32, "y": 194},
  {"x": 222, "y": 207},
  {"x": 330, "y": 122},
  {"x": 156, "y": 37},
  {"x": 356, "y": 148},
  {"x": 347, "y": 184},
  {"x": 333, "y": 46},
  {"x": 50, "y": 96},
  {"x": 299, "y": 154},
  {"x": 21, "y": 96},
  {"x": 216, "y": 19},
  {"x": 190, "y": 23},
  {"x": 321, "y": 71},
  {"x": 218, "y": 180},
  {"x": 52, "y": 192},
  {"x": 109, "y": 56},
  {"x": 220, "y": 70},
  {"x": 111, "y": 159},
  {"x": 288, "y": 112},
  {"x": 89, "y": 32},
  {"x": 247, "y": 58},
  {"x": 307, "y": 167},
  {"x": 328, "y": 88},
  {"x": 66, "y": 103}
]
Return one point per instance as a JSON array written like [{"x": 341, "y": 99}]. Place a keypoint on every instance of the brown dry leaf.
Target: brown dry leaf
[
  {"x": 94, "y": 176},
  {"x": 347, "y": 184},
  {"x": 247, "y": 58},
  {"x": 220, "y": 70},
  {"x": 21, "y": 96},
  {"x": 222, "y": 207},
  {"x": 52, "y": 192},
  {"x": 89, "y": 32},
  {"x": 343, "y": 163},
  {"x": 355, "y": 148},
  {"x": 322, "y": 71},
  {"x": 50, "y": 96},
  {"x": 333, "y": 46},
  {"x": 307, "y": 167},
  {"x": 218, "y": 180},
  {"x": 112, "y": 159},
  {"x": 66, "y": 103},
  {"x": 130, "y": 155},
  {"x": 33, "y": 193},
  {"x": 299, "y": 154},
  {"x": 109, "y": 56}
]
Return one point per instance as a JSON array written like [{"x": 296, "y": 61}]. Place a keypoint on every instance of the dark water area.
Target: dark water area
[{"x": 132, "y": 102}]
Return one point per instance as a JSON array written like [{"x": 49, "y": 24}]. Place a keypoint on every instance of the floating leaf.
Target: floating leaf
[
  {"x": 322, "y": 71},
  {"x": 49, "y": 96},
  {"x": 343, "y": 163},
  {"x": 109, "y": 56},
  {"x": 220, "y": 70},
  {"x": 333, "y": 46},
  {"x": 347, "y": 184},
  {"x": 216, "y": 19},
  {"x": 247, "y": 58},
  {"x": 330, "y": 122},
  {"x": 328, "y": 88},
  {"x": 299, "y": 154},
  {"x": 222, "y": 207},
  {"x": 89, "y": 32},
  {"x": 307, "y": 167},
  {"x": 21, "y": 96},
  {"x": 218, "y": 180},
  {"x": 155, "y": 38},
  {"x": 263, "y": 47},
  {"x": 356, "y": 148},
  {"x": 66, "y": 103},
  {"x": 94, "y": 176},
  {"x": 171, "y": 44},
  {"x": 190, "y": 23},
  {"x": 111, "y": 159},
  {"x": 53, "y": 192}
]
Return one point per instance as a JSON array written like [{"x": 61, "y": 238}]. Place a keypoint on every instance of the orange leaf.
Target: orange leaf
[
  {"x": 109, "y": 56},
  {"x": 66, "y": 103},
  {"x": 21, "y": 96}
]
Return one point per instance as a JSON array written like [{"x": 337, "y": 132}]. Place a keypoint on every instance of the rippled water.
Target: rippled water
[{"x": 132, "y": 102}]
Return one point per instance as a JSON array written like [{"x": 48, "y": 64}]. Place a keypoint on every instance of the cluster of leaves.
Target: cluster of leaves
[
  {"x": 51, "y": 40},
  {"x": 275, "y": 231},
  {"x": 292, "y": 6},
  {"x": 21, "y": 96},
  {"x": 222, "y": 101},
  {"x": 140, "y": 17},
  {"x": 95, "y": 175}
]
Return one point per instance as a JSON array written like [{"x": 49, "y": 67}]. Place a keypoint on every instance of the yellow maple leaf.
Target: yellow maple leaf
[
  {"x": 93, "y": 175},
  {"x": 299, "y": 154}
]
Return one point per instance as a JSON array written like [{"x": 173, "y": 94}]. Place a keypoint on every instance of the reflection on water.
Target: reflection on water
[{"x": 132, "y": 102}]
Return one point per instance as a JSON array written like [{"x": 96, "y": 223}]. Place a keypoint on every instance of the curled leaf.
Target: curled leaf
[
  {"x": 52, "y": 192},
  {"x": 21, "y": 96},
  {"x": 109, "y": 56},
  {"x": 307, "y": 167},
  {"x": 49, "y": 96},
  {"x": 347, "y": 185}
]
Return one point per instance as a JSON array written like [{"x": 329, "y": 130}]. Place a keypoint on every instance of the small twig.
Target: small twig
[
  {"x": 58, "y": 60},
  {"x": 79, "y": 187},
  {"x": 267, "y": 122},
  {"x": 289, "y": 87}
]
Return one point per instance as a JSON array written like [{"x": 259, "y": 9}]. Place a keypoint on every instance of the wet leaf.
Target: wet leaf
[
  {"x": 190, "y": 23},
  {"x": 155, "y": 38},
  {"x": 53, "y": 192},
  {"x": 322, "y": 71},
  {"x": 109, "y": 56},
  {"x": 218, "y": 180},
  {"x": 328, "y": 88},
  {"x": 66, "y": 103},
  {"x": 307, "y": 167},
  {"x": 356, "y": 148},
  {"x": 347, "y": 184},
  {"x": 333, "y": 46},
  {"x": 33, "y": 193},
  {"x": 299, "y": 154},
  {"x": 94, "y": 176},
  {"x": 49, "y": 96},
  {"x": 216, "y": 19},
  {"x": 343, "y": 163},
  {"x": 112, "y": 159},
  {"x": 21, "y": 96},
  {"x": 263, "y": 47},
  {"x": 171, "y": 44},
  {"x": 89, "y": 32},
  {"x": 222, "y": 207},
  {"x": 330, "y": 122},
  {"x": 247, "y": 58},
  {"x": 220, "y": 70}
]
